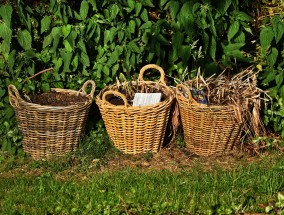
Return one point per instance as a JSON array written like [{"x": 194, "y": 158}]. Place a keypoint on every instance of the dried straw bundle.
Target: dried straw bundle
[{"x": 239, "y": 90}]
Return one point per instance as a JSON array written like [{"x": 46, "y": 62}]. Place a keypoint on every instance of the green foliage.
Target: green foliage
[
  {"x": 101, "y": 40},
  {"x": 276, "y": 206},
  {"x": 271, "y": 59}
]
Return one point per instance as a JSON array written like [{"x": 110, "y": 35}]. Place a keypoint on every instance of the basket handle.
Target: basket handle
[
  {"x": 13, "y": 93},
  {"x": 187, "y": 91},
  {"x": 152, "y": 66},
  {"x": 118, "y": 94},
  {"x": 85, "y": 85}
]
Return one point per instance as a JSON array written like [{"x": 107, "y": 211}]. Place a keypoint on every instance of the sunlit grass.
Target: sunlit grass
[{"x": 134, "y": 191}]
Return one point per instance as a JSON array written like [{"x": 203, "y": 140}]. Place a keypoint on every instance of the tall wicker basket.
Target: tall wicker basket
[
  {"x": 134, "y": 129},
  {"x": 208, "y": 130},
  {"x": 51, "y": 130}
]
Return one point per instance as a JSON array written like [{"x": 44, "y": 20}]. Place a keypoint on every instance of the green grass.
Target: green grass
[{"x": 134, "y": 191}]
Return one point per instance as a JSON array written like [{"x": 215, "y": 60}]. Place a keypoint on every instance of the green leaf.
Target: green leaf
[
  {"x": 9, "y": 112},
  {"x": 138, "y": 7},
  {"x": 144, "y": 15},
  {"x": 272, "y": 57},
  {"x": 25, "y": 39},
  {"x": 106, "y": 37},
  {"x": 11, "y": 60},
  {"x": 56, "y": 31},
  {"x": 223, "y": 6},
  {"x": 281, "y": 92},
  {"x": 266, "y": 37},
  {"x": 66, "y": 57},
  {"x": 45, "y": 87},
  {"x": 233, "y": 29},
  {"x": 213, "y": 47},
  {"x": 247, "y": 29},
  {"x": 6, "y": 14},
  {"x": 206, "y": 40},
  {"x": 132, "y": 26},
  {"x": 114, "y": 70},
  {"x": 184, "y": 54},
  {"x": 85, "y": 59},
  {"x": 269, "y": 76},
  {"x": 85, "y": 72},
  {"x": 84, "y": 9},
  {"x": 174, "y": 8},
  {"x": 131, "y": 5},
  {"x": 279, "y": 79},
  {"x": 98, "y": 67},
  {"x": 47, "y": 41},
  {"x": 94, "y": 4},
  {"x": 235, "y": 54},
  {"x": 133, "y": 47},
  {"x": 67, "y": 46},
  {"x": 57, "y": 64},
  {"x": 163, "y": 2},
  {"x": 163, "y": 40},
  {"x": 177, "y": 40},
  {"x": 2, "y": 92},
  {"x": 242, "y": 16},
  {"x": 45, "y": 23},
  {"x": 75, "y": 62},
  {"x": 31, "y": 69},
  {"x": 115, "y": 55},
  {"x": 146, "y": 25},
  {"x": 72, "y": 38},
  {"x": 147, "y": 3},
  {"x": 233, "y": 46},
  {"x": 279, "y": 32},
  {"x": 120, "y": 35},
  {"x": 66, "y": 29},
  {"x": 240, "y": 38},
  {"x": 6, "y": 34},
  {"x": 114, "y": 10},
  {"x": 109, "y": 35},
  {"x": 30, "y": 54},
  {"x": 106, "y": 70},
  {"x": 186, "y": 18},
  {"x": 81, "y": 45},
  {"x": 56, "y": 40}
]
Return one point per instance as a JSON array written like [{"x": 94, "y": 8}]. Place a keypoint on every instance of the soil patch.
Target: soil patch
[
  {"x": 57, "y": 99},
  {"x": 172, "y": 159}
]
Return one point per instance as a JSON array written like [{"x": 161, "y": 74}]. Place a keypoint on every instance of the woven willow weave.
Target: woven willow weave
[
  {"x": 208, "y": 130},
  {"x": 136, "y": 130},
  {"x": 48, "y": 130}
]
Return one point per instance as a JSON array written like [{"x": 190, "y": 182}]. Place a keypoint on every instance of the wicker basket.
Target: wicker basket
[
  {"x": 208, "y": 130},
  {"x": 132, "y": 129},
  {"x": 48, "y": 130}
]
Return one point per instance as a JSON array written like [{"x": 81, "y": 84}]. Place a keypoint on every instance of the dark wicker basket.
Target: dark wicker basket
[{"x": 51, "y": 130}]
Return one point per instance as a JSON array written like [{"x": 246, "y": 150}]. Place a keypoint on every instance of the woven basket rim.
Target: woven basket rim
[
  {"x": 46, "y": 107},
  {"x": 40, "y": 107},
  {"x": 168, "y": 100},
  {"x": 193, "y": 103},
  {"x": 203, "y": 106}
]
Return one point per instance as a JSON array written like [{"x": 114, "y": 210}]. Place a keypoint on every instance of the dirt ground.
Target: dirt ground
[{"x": 174, "y": 159}]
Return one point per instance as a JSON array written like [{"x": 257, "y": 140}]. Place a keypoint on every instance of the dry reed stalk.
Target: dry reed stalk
[{"x": 239, "y": 90}]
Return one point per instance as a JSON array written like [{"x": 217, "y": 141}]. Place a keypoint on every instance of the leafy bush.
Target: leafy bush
[
  {"x": 271, "y": 61},
  {"x": 101, "y": 40}
]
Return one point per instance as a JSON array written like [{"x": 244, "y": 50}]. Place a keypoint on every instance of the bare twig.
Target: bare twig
[{"x": 40, "y": 72}]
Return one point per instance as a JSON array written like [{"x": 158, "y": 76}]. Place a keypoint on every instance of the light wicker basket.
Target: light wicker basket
[
  {"x": 132, "y": 129},
  {"x": 51, "y": 130},
  {"x": 208, "y": 130}
]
